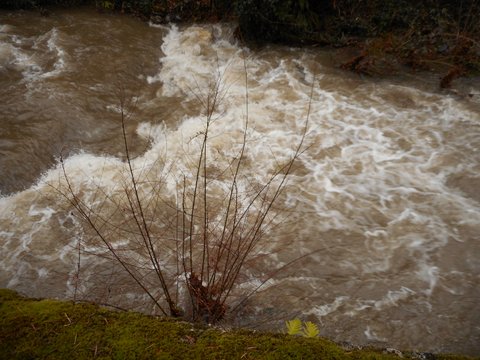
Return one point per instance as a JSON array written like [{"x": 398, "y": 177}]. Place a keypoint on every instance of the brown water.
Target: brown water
[{"x": 389, "y": 187}]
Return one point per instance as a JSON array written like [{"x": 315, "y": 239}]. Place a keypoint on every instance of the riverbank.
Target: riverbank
[
  {"x": 440, "y": 36},
  {"x": 51, "y": 329}
]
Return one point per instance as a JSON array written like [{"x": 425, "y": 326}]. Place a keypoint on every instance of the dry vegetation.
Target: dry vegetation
[{"x": 194, "y": 242}]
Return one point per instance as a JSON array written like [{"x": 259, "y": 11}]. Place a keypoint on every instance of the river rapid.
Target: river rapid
[{"x": 387, "y": 188}]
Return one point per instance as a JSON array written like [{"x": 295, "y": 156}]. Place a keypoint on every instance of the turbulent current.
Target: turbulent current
[{"x": 385, "y": 195}]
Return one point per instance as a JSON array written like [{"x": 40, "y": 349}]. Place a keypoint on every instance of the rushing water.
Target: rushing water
[{"x": 388, "y": 186}]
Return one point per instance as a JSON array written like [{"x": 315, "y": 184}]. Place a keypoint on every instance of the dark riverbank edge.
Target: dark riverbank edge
[
  {"x": 52, "y": 329},
  {"x": 387, "y": 36}
]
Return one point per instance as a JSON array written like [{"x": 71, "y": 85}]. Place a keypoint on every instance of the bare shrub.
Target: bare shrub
[{"x": 197, "y": 237}]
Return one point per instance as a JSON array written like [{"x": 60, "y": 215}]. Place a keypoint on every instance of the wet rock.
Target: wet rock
[
  {"x": 393, "y": 351},
  {"x": 423, "y": 356}
]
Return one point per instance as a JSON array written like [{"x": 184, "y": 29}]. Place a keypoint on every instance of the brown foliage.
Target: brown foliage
[
  {"x": 360, "y": 64},
  {"x": 454, "y": 73}
]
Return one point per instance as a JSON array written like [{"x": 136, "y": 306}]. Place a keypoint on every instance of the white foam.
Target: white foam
[
  {"x": 5, "y": 56},
  {"x": 43, "y": 272},
  {"x": 46, "y": 213},
  {"x": 158, "y": 26},
  {"x": 324, "y": 310},
  {"x": 429, "y": 274},
  {"x": 4, "y": 28},
  {"x": 26, "y": 63},
  {"x": 37, "y": 57},
  {"x": 187, "y": 67},
  {"x": 53, "y": 44},
  {"x": 393, "y": 297},
  {"x": 391, "y": 178},
  {"x": 372, "y": 335}
]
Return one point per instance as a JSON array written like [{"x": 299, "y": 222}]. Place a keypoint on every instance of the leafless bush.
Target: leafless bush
[{"x": 198, "y": 239}]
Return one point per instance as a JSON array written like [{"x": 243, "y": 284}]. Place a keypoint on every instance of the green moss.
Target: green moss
[{"x": 49, "y": 329}]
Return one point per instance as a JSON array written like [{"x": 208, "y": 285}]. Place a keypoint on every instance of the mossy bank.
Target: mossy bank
[{"x": 50, "y": 329}]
